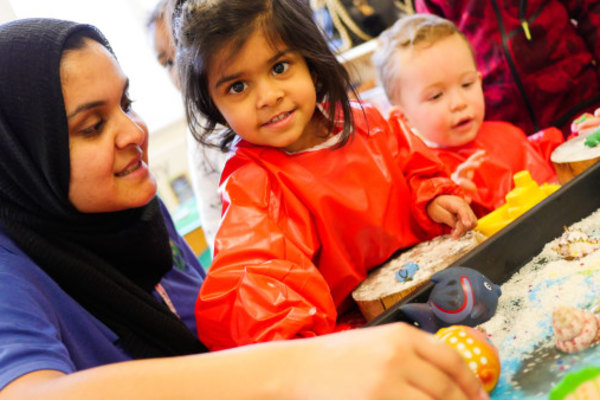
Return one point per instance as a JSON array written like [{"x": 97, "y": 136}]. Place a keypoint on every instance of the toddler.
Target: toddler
[{"x": 428, "y": 71}]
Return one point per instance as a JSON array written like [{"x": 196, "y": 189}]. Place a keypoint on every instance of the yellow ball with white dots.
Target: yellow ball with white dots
[{"x": 479, "y": 353}]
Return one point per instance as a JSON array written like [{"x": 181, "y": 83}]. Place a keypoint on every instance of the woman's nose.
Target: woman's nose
[{"x": 131, "y": 130}]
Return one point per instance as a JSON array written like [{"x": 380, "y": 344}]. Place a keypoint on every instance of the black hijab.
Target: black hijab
[{"x": 108, "y": 262}]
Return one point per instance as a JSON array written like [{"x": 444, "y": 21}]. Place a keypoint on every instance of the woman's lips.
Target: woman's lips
[{"x": 131, "y": 168}]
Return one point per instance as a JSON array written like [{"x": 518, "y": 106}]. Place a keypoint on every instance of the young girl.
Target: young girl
[
  {"x": 318, "y": 191},
  {"x": 93, "y": 274}
]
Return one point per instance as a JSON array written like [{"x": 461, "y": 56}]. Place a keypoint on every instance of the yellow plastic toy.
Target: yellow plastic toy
[{"x": 525, "y": 195}]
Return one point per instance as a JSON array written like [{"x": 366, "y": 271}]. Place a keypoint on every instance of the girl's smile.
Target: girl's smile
[{"x": 280, "y": 121}]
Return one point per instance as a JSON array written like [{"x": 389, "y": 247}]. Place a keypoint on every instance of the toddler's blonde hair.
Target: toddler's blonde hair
[{"x": 410, "y": 32}]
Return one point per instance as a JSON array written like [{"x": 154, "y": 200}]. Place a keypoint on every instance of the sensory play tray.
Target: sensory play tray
[{"x": 534, "y": 280}]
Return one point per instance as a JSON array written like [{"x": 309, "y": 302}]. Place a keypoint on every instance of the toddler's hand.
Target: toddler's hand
[
  {"x": 454, "y": 212},
  {"x": 463, "y": 175}
]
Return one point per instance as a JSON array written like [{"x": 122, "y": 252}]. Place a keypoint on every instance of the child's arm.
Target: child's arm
[
  {"x": 429, "y": 179},
  {"x": 262, "y": 285}
]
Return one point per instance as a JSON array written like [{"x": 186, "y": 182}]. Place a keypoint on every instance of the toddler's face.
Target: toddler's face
[{"x": 440, "y": 92}]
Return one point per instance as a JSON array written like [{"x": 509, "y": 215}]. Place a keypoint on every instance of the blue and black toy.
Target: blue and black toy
[{"x": 460, "y": 296}]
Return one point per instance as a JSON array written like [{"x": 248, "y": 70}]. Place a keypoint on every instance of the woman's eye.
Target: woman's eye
[
  {"x": 281, "y": 67},
  {"x": 126, "y": 103},
  {"x": 94, "y": 129},
  {"x": 237, "y": 87},
  {"x": 467, "y": 84}
]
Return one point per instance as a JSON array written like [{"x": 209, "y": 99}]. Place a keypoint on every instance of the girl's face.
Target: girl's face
[
  {"x": 107, "y": 140},
  {"x": 266, "y": 94},
  {"x": 441, "y": 93}
]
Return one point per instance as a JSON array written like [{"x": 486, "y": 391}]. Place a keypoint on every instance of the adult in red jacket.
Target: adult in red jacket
[
  {"x": 507, "y": 151},
  {"x": 538, "y": 58},
  {"x": 293, "y": 245}
]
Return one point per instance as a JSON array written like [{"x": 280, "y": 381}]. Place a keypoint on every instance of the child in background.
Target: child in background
[
  {"x": 428, "y": 71},
  {"x": 318, "y": 190},
  {"x": 205, "y": 163}
]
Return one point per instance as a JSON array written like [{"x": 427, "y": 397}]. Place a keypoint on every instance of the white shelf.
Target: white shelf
[{"x": 365, "y": 49}]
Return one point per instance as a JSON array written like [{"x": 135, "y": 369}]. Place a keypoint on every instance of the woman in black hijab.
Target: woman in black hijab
[{"x": 92, "y": 272}]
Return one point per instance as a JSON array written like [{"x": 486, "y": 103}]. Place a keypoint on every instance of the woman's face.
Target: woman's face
[{"x": 108, "y": 141}]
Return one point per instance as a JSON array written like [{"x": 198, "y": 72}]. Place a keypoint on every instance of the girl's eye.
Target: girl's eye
[
  {"x": 237, "y": 87},
  {"x": 94, "y": 129},
  {"x": 467, "y": 84},
  {"x": 281, "y": 67}
]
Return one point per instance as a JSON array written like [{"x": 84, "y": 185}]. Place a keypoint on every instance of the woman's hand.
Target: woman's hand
[
  {"x": 454, "y": 212},
  {"x": 395, "y": 361}
]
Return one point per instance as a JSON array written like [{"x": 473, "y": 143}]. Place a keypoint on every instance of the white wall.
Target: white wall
[
  {"x": 6, "y": 11},
  {"x": 168, "y": 158}
]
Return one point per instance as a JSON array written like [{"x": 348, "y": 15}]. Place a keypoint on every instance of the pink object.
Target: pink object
[{"x": 575, "y": 329}]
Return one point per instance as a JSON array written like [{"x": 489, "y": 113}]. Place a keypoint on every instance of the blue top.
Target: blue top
[{"x": 42, "y": 327}]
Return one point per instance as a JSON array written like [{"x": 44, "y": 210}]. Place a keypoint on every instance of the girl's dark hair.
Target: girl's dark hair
[{"x": 205, "y": 27}]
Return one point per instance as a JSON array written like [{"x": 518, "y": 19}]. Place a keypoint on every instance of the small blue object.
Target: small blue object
[
  {"x": 407, "y": 272},
  {"x": 460, "y": 296}
]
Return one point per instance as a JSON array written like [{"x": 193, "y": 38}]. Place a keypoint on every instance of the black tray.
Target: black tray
[{"x": 516, "y": 244}]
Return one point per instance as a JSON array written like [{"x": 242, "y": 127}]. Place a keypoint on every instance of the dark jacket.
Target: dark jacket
[{"x": 537, "y": 57}]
